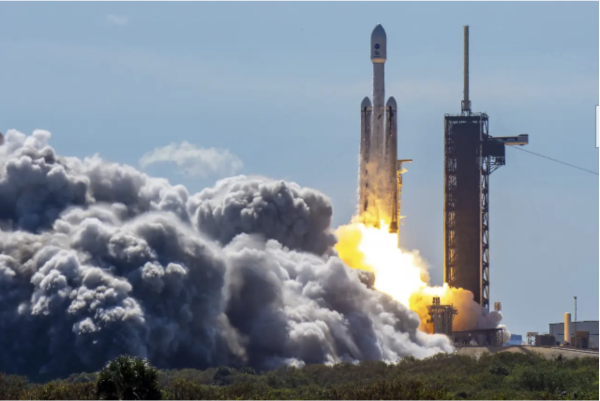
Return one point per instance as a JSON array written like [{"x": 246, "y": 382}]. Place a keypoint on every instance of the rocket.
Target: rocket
[{"x": 379, "y": 178}]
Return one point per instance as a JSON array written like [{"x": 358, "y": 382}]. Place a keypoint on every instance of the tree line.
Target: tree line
[{"x": 443, "y": 376}]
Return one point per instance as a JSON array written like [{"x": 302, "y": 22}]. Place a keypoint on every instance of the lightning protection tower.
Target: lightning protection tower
[{"x": 470, "y": 156}]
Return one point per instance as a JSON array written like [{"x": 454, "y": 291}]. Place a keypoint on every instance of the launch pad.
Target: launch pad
[
  {"x": 470, "y": 156},
  {"x": 478, "y": 337},
  {"x": 441, "y": 316}
]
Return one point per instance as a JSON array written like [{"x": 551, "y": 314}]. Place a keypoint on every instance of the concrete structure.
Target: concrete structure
[
  {"x": 547, "y": 352},
  {"x": 591, "y": 326},
  {"x": 581, "y": 339},
  {"x": 545, "y": 340},
  {"x": 478, "y": 337}
]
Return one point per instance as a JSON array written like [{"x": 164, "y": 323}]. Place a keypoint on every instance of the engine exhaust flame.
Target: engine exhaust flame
[
  {"x": 397, "y": 273},
  {"x": 404, "y": 276}
]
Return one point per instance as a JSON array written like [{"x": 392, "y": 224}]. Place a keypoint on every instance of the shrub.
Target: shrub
[
  {"x": 128, "y": 378},
  {"x": 389, "y": 390},
  {"x": 12, "y": 386},
  {"x": 61, "y": 390},
  {"x": 184, "y": 389}
]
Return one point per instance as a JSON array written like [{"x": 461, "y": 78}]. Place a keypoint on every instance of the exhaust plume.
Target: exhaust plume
[
  {"x": 404, "y": 276},
  {"x": 98, "y": 259}
]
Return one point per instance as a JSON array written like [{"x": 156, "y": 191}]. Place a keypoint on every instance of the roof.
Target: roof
[
  {"x": 479, "y": 331},
  {"x": 579, "y": 321}
]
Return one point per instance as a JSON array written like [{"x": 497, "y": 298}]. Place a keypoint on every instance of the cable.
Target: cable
[
  {"x": 557, "y": 161},
  {"x": 499, "y": 122},
  {"x": 551, "y": 248},
  {"x": 588, "y": 66}
]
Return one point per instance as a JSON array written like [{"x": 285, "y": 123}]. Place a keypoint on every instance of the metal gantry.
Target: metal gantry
[
  {"x": 441, "y": 316},
  {"x": 449, "y": 205},
  {"x": 471, "y": 155},
  {"x": 466, "y": 204}
]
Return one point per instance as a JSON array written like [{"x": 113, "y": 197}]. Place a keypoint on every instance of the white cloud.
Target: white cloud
[
  {"x": 120, "y": 20},
  {"x": 193, "y": 161}
]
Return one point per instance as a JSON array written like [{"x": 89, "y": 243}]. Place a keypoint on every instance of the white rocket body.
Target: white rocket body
[{"x": 378, "y": 192}]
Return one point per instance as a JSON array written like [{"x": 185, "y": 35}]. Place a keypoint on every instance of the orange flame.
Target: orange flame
[{"x": 399, "y": 273}]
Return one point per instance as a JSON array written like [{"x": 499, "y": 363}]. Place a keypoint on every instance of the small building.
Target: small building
[
  {"x": 581, "y": 339},
  {"x": 545, "y": 340},
  {"x": 591, "y": 326},
  {"x": 515, "y": 339}
]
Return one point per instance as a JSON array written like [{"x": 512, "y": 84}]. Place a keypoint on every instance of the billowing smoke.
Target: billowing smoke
[
  {"x": 98, "y": 259},
  {"x": 492, "y": 320},
  {"x": 404, "y": 275}
]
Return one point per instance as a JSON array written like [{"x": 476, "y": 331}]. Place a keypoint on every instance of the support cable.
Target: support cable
[
  {"x": 551, "y": 248},
  {"x": 557, "y": 161}
]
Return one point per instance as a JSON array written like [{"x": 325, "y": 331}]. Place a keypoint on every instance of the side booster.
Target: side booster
[{"x": 379, "y": 172}]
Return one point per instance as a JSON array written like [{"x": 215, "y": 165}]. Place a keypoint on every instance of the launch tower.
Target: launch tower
[{"x": 470, "y": 156}]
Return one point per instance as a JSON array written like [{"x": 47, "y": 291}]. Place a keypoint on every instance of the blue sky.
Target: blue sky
[{"x": 278, "y": 85}]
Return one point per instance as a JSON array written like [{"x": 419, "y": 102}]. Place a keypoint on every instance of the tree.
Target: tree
[
  {"x": 128, "y": 378},
  {"x": 12, "y": 386}
]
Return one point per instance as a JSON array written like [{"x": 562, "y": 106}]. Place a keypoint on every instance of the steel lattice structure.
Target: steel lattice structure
[
  {"x": 441, "y": 317},
  {"x": 471, "y": 155}
]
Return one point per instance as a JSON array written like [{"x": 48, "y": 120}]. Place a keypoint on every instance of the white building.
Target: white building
[{"x": 558, "y": 330}]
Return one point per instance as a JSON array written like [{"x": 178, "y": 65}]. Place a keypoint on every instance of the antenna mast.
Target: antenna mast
[
  {"x": 466, "y": 103},
  {"x": 575, "y": 323}
]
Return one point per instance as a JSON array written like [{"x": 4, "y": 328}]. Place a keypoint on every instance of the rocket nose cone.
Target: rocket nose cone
[
  {"x": 366, "y": 102},
  {"x": 391, "y": 103},
  {"x": 378, "y": 32},
  {"x": 378, "y": 45}
]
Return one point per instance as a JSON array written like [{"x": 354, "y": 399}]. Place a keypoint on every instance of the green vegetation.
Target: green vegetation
[
  {"x": 128, "y": 378},
  {"x": 493, "y": 377}
]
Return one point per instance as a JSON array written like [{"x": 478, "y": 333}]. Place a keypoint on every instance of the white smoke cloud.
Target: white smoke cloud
[
  {"x": 193, "y": 161},
  {"x": 491, "y": 320},
  {"x": 98, "y": 259}
]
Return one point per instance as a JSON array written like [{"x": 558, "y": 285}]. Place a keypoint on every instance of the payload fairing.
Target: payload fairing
[{"x": 379, "y": 171}]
